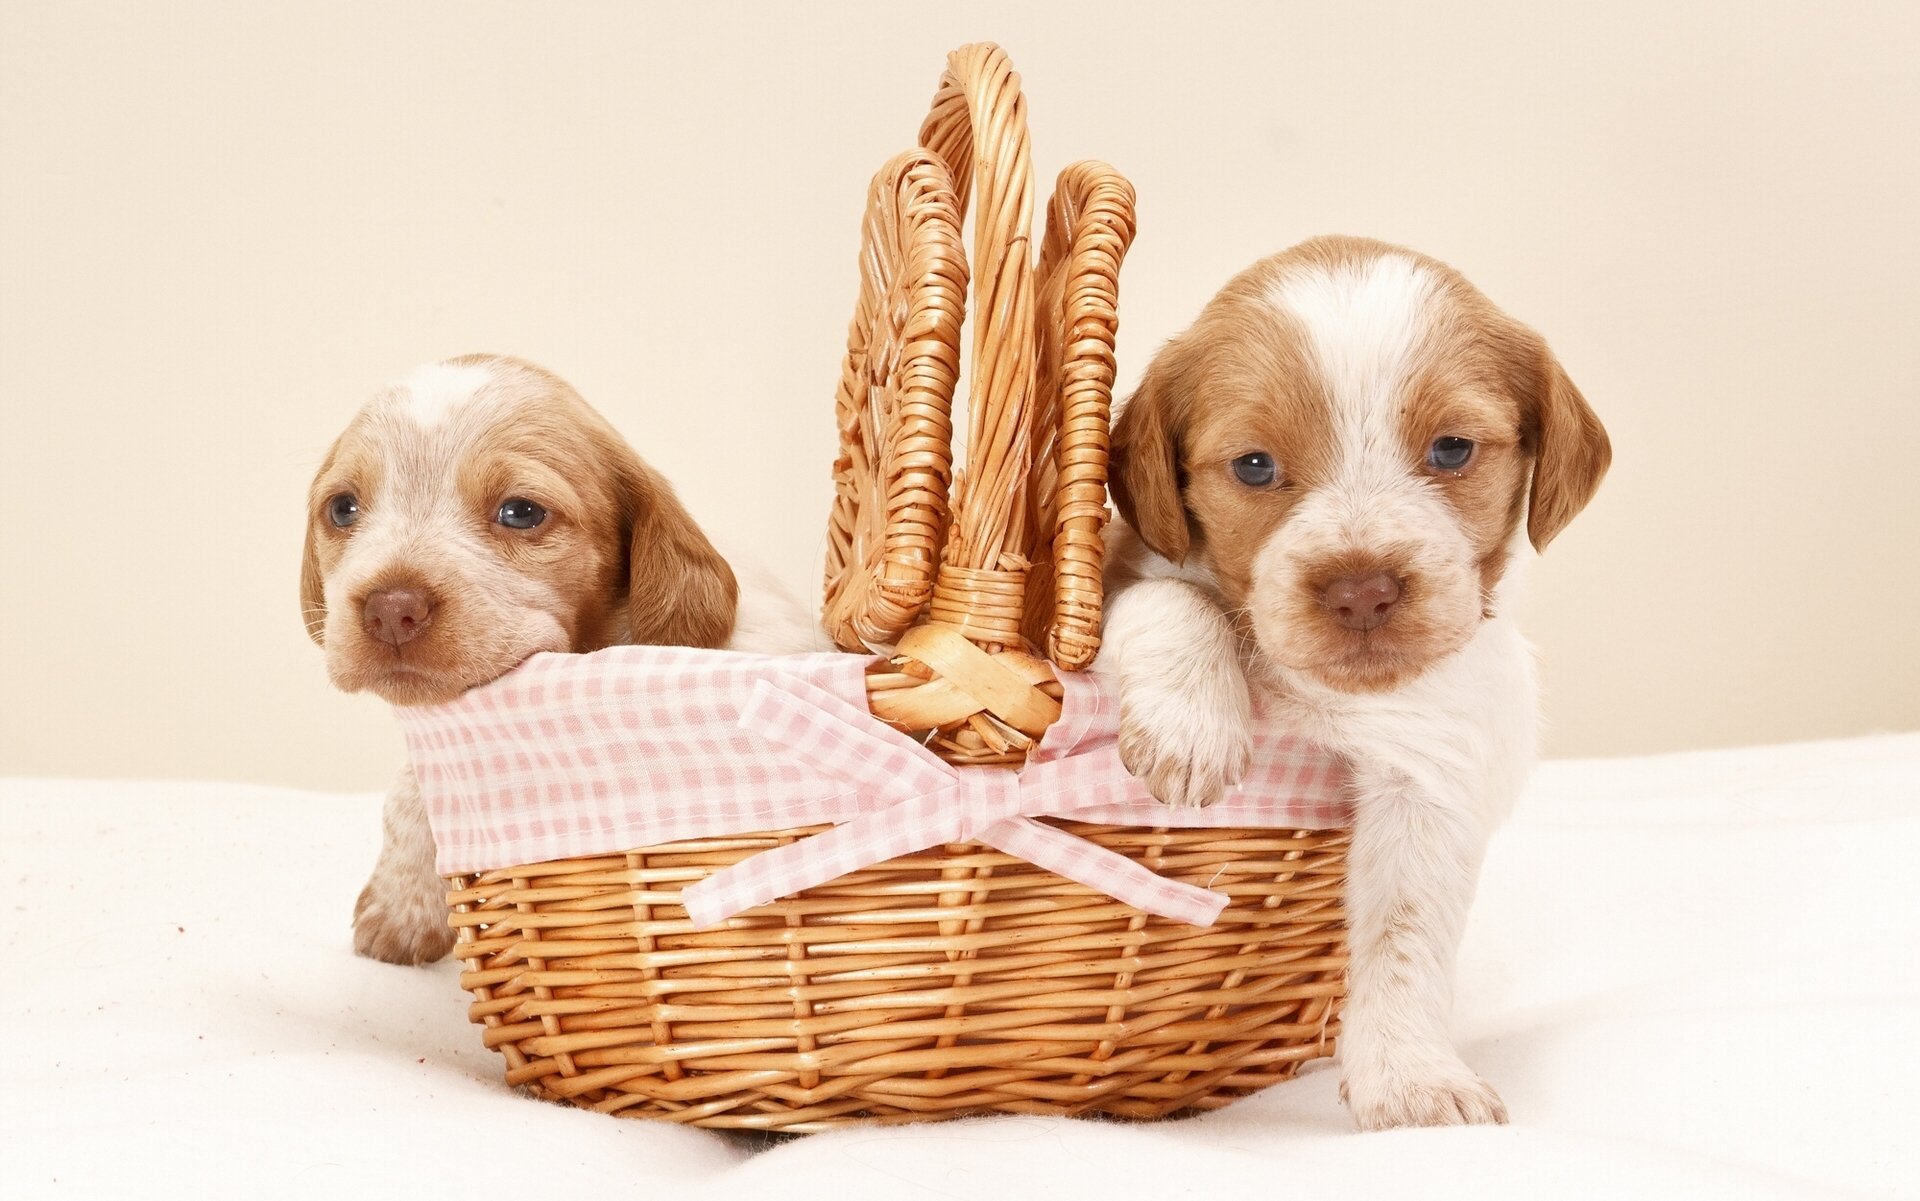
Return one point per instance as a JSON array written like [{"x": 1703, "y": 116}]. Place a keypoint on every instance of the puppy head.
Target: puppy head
[
  {"x": 479, "y": 512},
  {"x": 1349, "y": 436}
]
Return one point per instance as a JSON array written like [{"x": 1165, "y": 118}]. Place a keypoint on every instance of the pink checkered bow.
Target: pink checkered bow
[{"x": 574, "y": 755}]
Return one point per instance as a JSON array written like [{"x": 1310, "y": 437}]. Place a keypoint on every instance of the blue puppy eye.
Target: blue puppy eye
[
  {"x": 519, "y": 513},
  {"x": 1256, "y": 470},
  {"x": 1450, "y": 454},
  {"x": 343, "y": 510}
]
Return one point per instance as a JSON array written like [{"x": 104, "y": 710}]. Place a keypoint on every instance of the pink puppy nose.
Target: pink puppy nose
[
  {"x": 1362, "y": 602},
  {"x": 396, "y": 615}
]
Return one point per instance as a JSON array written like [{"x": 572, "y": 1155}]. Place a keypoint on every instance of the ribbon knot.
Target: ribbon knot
[
  {"x": 939, "y": 804},
  {"x": 981, "y": 798}
]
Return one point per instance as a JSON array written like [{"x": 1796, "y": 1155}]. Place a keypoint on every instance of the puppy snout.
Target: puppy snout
[
  {"x": 396, "y": 616},
  {"x": 1362, "y": 602}
]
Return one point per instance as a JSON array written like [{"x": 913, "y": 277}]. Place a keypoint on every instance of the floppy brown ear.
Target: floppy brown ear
[
  {"x": 313, "y": 597},
  {"x": 1144, "y": 472},
  {"x": 680, "y": 592},
  {"x": 1571, "y": 452}
]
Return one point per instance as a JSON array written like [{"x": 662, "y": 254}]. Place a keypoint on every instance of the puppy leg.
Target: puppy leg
[
  {"x": 1185, "y": 715},
  {"x": 1411, "y": 875},
  {"x": 401, "y": 916}
]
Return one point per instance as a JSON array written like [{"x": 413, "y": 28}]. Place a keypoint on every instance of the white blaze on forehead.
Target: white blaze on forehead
[
  {"x": 422, "y": 428},
  {"x": 1366, "y": 327},
  {"x": 1364, "y": 324},
  {"x": 436, "y": 390}
]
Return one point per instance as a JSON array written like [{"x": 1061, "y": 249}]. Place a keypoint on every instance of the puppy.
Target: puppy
[
  {"x": 473, "y": 515},
  {"x": 1325, "y": 477}
]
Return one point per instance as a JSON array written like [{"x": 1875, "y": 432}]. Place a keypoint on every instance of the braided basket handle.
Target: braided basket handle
[
  {"x": 978, "y": 126},
  {"x": 1090, "y": 225},
  {"x": 1031, "y": 499},
  {"x": 894, "y": 406}
]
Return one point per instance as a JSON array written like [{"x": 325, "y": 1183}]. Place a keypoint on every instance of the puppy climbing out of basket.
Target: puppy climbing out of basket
[
  {"x": 473, "y": 515},
  {"x": 1325, "y": 478}
]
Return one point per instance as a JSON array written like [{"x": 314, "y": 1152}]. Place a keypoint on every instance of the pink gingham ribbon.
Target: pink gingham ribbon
[
  {"x": 579, "y": 755},
  {"x": 943, "y": 804}
]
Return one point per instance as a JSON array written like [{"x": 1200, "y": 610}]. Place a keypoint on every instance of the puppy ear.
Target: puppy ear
[
  {"x": 313, "y": 586},
  {"x": 680, "y": 592},
  {"x": 1145, "y": 463},
  {"x": 1571, "y": 450},
  {"x": 313, "y": 596}
]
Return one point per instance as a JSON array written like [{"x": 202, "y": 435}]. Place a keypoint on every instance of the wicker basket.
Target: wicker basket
[{"x": 957, "y": 980}]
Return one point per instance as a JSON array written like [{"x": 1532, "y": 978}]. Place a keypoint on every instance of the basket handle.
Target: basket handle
[
  {"x": 978, "y": 126},
  {"x": 894, "y": 406},
  {"x": 1090, "y": 225},
  {"x": 1019, "y": 566}
]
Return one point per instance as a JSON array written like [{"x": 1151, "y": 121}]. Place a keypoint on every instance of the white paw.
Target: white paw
[
  {"x": 402, "y": 922},
  {"x": 1446, "y": 1093},
  {"x": 1190, "y": 746}
]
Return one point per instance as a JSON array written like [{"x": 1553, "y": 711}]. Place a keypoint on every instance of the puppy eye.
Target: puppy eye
[
  {"x": 343, "y": 510},
  {"x": 1256, "y": 470},
  {"x": 1450, "y": 454},
  {"x": 519, "y": 513}
]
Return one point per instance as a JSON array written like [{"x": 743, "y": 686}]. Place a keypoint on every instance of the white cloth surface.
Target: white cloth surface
[{"x": 1689, "y": 976}]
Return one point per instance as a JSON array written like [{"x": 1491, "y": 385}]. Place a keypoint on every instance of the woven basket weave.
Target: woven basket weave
[{"x": 957, "y": 980}]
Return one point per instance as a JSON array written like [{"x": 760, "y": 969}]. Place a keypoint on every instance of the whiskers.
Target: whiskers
[
  {"x": 520, "y": 654},
  {"x": 315, "y": 618},
  {"x": 1240, "y": 621}
]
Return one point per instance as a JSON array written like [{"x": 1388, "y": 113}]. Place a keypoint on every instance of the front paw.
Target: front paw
[
  {"x": 1187, "y": 750},
  {"x": 403, "y": 925},
  {"x": 1438, "y": 1094}
]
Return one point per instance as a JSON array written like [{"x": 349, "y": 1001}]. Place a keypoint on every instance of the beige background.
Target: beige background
[{"x": 222, "y": 226}]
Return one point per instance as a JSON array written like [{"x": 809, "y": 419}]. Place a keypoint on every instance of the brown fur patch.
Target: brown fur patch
[{"x": 683, "y": 593}]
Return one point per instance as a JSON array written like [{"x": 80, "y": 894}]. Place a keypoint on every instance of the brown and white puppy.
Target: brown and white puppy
[
  {"x": 1325, "y": 479},
  {"x": 475, "y": 514}
]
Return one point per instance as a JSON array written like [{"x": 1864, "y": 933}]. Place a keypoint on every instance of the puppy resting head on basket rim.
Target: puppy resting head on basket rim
[
  {"x": 475, "y": 514},
  {"x": 1326, "y": 477}
]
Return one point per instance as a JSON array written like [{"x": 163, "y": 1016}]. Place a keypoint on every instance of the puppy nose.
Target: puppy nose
[
  {"x": 396, "y": 615},
  {"x": 1362, "y": 602}
]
